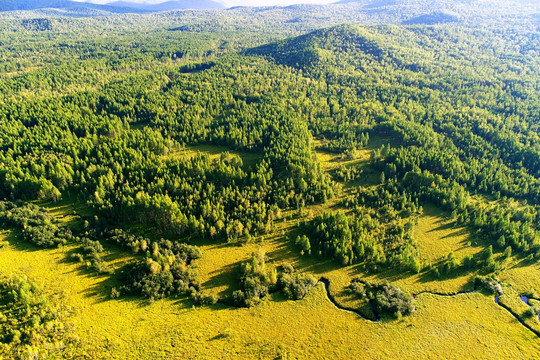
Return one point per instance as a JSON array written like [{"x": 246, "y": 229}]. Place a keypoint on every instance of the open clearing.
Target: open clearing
[
  {"x": 437, "y": 236},
  {"x": 249, "y": 159},
  {"x": 469, "y": 325}
]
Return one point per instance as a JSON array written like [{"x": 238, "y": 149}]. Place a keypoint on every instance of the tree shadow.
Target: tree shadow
[
  {"x": 286, "y": 252},
  {"x": 523, "y": 262},
  {"x": 443, "y": 225},
  {"x": 458, "y": 232},
  {"x": 14, "y": 239},
  {"x": 429, "y": 277},
  {"x": 227, "y": 276}
]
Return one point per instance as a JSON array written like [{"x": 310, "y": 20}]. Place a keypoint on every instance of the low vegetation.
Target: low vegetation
[
  {"x": 387, "y": 300},
  {"x": 32, "y": 325},
  {"x": 36, "y": 225},
  {"x": 489, "y": 285},
  {"x": 166, "y": 270},
  {"x": 257, "y": 279},
  {"x": 295, "y": 285}
]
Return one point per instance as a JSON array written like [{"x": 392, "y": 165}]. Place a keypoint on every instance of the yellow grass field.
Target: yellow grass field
[
  {"x": 511, "y": 298},
  {"x": 470, "y": 325},
  {"x": 524, "y": 277},
  {"x": 437, "y": 236},
  {"x": 215, "y": 151}
]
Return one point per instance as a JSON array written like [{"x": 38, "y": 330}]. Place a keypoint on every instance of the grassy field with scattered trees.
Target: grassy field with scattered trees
[{"x": 271, "y": 182}]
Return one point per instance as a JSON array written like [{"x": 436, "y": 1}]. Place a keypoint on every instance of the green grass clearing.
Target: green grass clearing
[{"x": 249, "y": 159}]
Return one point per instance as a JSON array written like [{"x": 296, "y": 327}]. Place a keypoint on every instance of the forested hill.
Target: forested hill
[
  {"x": 169, "y": 5},
  {"x": 460, "y": 112},
  {"x": 322, "y": 48},
  {"x": 353, "y": 50},
  {"x": 386, "y": 140},
  {"x": 82, "y": 8},
  {"x": 521, "y": 14},
  {"x": 447, "y": 119}
]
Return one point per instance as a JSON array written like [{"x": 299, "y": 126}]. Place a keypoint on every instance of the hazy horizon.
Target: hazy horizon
[{"x": 225, "y": 2}]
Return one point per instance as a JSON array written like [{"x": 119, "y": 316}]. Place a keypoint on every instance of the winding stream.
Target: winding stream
[
  {"x": 326, "y": 283},
  {"x": 525, "y": 299}
]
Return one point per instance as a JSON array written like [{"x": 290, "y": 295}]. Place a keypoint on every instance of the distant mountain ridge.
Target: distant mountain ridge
[
  {"x": 114, "y": 7},
  {"x": 170, "y": 5},
  {"x": 481, "y": 13},
  {"x": 13, "y": 5}
]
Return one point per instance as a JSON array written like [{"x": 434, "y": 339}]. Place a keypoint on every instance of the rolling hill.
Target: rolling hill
[{"x": 114, "y": 7}]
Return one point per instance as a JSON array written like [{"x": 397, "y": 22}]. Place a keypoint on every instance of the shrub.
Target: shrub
[
  {"x": 167, "y": 270},
  {"x": 204, "y": 299},
  {"x": 255, "y": 280},
  {"x": 30, "y": 320},
  {"x": 36, "y": 224},
  {"x": 488, "y": 284},
  {"x": 358, "y": 288},
  {"x": 391, "y": 300},
  {"x": 77, "y": 257},
  {"x": 386, "y": 299},
  {"x": 531, "y": 312},
  {"x": 297, "y": 286},
  {"x": 115, "y": 294}
]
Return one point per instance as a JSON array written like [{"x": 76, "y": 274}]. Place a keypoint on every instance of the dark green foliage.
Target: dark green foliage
[
  {"x": 531, "y": 312},
  {"x": 45, "y": 235},
  {"x": 37, "y": 24},
  {"x": 296, "y": 286},
  {"x": 302, "y": 241},
  {"x": 310, "y": 52},
  {"x": 488, "y": 284},
  {"x": 257, "y": 278},
  {"x": 92, "y": 254},
  {"x": 77, "y": 257},
  {"x": 204, "y": 299},
  {"x": 391, "y": 300},
  {"x": 345, "y": 174},
  {"x": 22, "y": 216},
  {"x": 450, "y": 264},
  {"x": 377, "y": 231},
  {"x": 111, "y": 116},
  {"x": 386, "y": 299},
  {"x": 36, "y": 225},
  {"x": 167, "y": 270}
]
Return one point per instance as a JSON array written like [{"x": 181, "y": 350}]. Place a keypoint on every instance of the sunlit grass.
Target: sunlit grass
[
  {"x": 466, "y": 325},
  {"x": 249, "y": 159},
  {"x": 523, "y": 275},
  {"x": 312, "y": 328},
  {"x": 437, "y": 236},
  {"x": 511, "y": 298}
]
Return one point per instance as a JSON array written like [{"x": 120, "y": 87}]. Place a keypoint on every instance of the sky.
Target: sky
[{"x": 230, "y": 2}]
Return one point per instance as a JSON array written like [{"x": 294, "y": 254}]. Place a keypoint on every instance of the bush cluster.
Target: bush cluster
[
  {"x": 386, "y": 299},
  {"x": 32, "y": 325}
]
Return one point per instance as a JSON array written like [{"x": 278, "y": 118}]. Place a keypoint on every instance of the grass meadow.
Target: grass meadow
[{"x": 468, "y": 325}]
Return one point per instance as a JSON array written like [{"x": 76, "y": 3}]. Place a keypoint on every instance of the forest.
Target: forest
[{"x": 448, "y": 110}]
